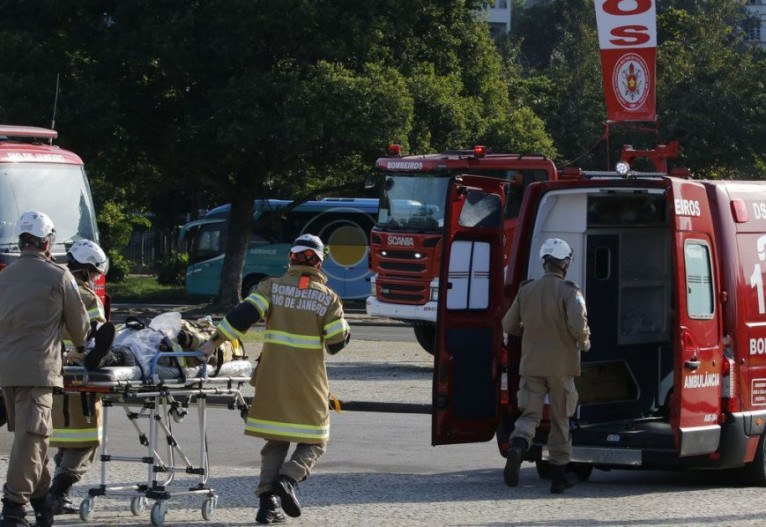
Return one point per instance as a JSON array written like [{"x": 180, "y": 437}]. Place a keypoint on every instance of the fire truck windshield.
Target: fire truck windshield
[
  {"x": 413, "y": 202},
  {"x": 61, "y": 191}
]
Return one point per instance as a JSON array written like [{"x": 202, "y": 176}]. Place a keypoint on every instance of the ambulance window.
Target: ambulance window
[
  {"x": 480, "y": 210},
  {"x": 699, "y": 281}
]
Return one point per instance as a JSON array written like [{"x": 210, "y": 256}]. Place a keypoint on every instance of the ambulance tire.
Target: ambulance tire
[
  {"x": 755, "y": 471},
  {"x": 250, "y": 282},
  {"x": 426, "y": 336}
]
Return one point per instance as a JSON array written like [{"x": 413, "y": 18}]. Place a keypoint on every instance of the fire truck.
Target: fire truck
[
  {"x": 37, "y": 175},
  {"x": 672, "y": 270},
  {"x": 406, "y": 242}
]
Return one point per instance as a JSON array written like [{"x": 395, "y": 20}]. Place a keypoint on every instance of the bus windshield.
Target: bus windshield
[
  {"x": 61, "y": 191},
  {"x": 413, "y": 202}
]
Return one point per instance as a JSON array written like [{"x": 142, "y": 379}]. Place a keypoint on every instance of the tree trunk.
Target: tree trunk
[{"x": 240, "y": 229}]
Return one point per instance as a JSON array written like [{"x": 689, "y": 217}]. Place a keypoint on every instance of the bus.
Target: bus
[{"x": 343, "y": 224}]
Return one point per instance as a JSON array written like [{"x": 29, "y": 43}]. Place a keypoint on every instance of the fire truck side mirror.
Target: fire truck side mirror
[{"x": 371, "y": 182}]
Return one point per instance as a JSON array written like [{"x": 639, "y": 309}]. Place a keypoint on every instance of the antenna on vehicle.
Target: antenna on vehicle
[{"x": 55, "y": 103}]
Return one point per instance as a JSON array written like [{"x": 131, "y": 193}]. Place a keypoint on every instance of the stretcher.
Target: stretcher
[{"x": 161, "y": 396}]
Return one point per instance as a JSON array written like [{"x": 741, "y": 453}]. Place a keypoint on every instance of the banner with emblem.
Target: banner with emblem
[{"x": 627, "y": 38}]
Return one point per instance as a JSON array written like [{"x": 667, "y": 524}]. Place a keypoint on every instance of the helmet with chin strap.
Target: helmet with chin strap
[
  {"x": 35, "y": 229},
  {"x": 85, "y": 254},
  {"x": 555, "y": 248}
]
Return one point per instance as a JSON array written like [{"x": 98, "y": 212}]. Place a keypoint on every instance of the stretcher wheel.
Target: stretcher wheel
[
  {"x": 86, "y": 509},
  {"x": 208, "y": 508},
  {"x": 158, "y": 513},
  {"x": 138, "y": 505}
]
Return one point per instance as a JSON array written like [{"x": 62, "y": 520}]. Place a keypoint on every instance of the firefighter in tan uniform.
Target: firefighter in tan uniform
[
  {"x": 303, "y": 318},
  {"x": 38, "y": 298},
  {"x": 77, "y": 425},
  {"x": 550, "y": 317}
]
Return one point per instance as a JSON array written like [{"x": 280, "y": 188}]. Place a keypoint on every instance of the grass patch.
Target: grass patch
[{"x": 145, "y": 289}]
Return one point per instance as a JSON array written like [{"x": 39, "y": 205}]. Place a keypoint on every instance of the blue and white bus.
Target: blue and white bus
[{"x": 343, "y": 224}]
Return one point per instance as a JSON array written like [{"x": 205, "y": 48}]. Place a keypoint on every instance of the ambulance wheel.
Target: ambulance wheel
[
  {"x": 426, "y": 336},
  {"x": 543, "y": 469},
  {"x": 138, "y": 505},
  {"x": 208, "y": 508},
  {"x": 581, "y": 470},
  {"x": 158, "y": 513},
  {"x": 86, "y": 509},
  {"x": 756, "y": 470}
]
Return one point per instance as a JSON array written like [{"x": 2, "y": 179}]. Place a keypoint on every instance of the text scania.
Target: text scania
[
  {"x": 405, "y": 165},
  {"x": 407, "y": 241},
  {"x": 687, "y": 207}
]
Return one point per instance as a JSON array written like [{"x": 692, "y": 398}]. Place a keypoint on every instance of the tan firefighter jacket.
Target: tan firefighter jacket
[
  {"x": 77, "y": 417},
  {"x": 303, "y": 317},
  {"x": 38, "y": 300}
]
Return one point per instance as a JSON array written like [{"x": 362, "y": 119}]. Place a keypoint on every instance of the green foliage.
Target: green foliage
[
  {"x": 172, "y": 271},
  {"x": 119, "y": 267},
  {"x": 115, "y": 225},
  {"x": 146, "y": 289}
]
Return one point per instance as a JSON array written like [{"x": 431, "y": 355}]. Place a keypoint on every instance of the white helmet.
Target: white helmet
[
  {"x": 36, "y": 223},
  {"x": 556, "y": 248},
  {"x": 89, "y": 256},
  {"x": 309, "y": 242}
]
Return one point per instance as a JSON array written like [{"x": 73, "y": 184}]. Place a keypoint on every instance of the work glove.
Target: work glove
[{"x": 208, "y": 348}]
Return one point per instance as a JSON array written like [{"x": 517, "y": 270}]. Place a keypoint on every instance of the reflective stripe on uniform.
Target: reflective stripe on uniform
[
  {"x": 292, "y": 340},
  {"x": 229, "y": 331},
  {"x": 260, "y": 302},
  {"x": 76, "y": 435},
  {"x": 335, "y": 327},
  {"x": 96, "y": 313},
  {"x": 287, "y": 429}
]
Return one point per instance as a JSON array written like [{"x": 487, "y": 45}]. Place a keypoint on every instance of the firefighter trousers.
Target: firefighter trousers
[
  {"x": 74, "y": 462},
  {"x": 562, "y": 402},
  {"x": 29, "y": 418},
  {"x": 298, "y": 467}
]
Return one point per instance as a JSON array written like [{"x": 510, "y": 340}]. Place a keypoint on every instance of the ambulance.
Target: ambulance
[{"x": 672, "y": 270}]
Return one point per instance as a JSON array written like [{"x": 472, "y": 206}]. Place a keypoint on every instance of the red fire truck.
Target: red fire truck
[
  {"x": 406, "y": 242},
  {"x": 37, "y": 175},
  {"x": 672, "y": 270}
]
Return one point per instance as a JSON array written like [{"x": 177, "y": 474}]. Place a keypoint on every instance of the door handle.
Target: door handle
[{"x": 692, "y": 364}]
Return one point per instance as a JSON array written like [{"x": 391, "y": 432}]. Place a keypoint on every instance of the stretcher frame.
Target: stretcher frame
[{"x": 159, "y": 403}]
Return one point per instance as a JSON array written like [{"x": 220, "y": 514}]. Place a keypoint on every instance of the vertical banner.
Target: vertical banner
[{"x": 627, "y": 38}]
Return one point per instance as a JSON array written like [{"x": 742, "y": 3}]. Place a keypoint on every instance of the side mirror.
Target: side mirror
[{"x": 371, "y": 182}]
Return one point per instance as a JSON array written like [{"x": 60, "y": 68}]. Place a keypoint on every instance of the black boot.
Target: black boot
[
  {"x": 99, "y": 355},
  {"x": 13, "y": 515},
  {"x": 69, "y": 506},
  {"x": 562, "y": 479},
  {"x": 285, "y": 489},
  {"x": 518, "y": 448},
  {"x": 268, "y": 510},
  {"x": 57, "y": 494},
  {"x": 43, "y": 511}
]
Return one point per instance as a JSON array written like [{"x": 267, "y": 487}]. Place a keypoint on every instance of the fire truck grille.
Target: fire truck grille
[
  {"x": 403, "y": 267},
  {"x": 404, "y": 294}
]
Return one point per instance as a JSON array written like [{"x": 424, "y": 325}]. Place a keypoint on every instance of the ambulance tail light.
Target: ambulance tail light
[{"x": 729, "y": 395}]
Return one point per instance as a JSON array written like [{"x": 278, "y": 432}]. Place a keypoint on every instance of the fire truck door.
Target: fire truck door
[{"x": 471, "y": 292}]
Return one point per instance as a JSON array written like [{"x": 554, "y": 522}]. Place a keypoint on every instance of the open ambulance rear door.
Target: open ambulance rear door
[
  {"x": 469, "y": 333},
  {"x": 698, "y": 357}
]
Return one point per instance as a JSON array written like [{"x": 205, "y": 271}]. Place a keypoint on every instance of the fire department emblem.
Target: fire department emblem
[{"x": 630, "y": 81}]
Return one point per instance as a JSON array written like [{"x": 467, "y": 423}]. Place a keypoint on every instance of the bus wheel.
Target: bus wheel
[
  {"x": 426, "y": 335},
  {"x": 755, "y": 471},
  {"x": 250, "y": 282}
]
